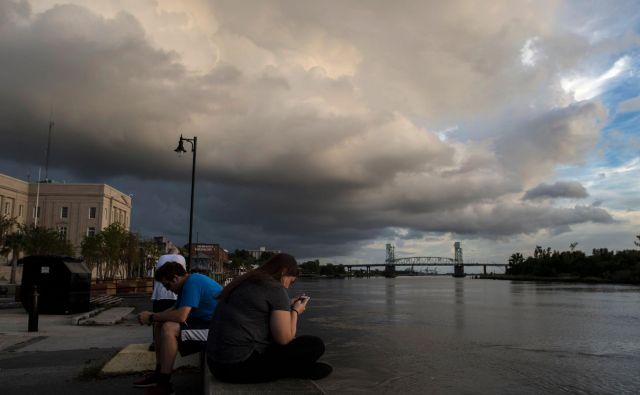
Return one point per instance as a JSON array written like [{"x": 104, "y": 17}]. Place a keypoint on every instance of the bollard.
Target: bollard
[{"x": 33, "y": 314}]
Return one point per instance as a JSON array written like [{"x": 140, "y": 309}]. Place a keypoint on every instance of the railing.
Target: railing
[
  {"x": 223, "y": 278},
  {"x": 121, "y": 286},
  {"x": 142, "y": 285}
]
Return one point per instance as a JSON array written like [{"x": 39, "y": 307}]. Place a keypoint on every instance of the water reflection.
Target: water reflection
[
  {"x": 390, "y": 300},
  {"x": 459, "y": 304}
]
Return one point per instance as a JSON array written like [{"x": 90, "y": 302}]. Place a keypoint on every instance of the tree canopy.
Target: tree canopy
[
  {"x": 617, "y": 266},
  {"x": 115, "y": 252}
]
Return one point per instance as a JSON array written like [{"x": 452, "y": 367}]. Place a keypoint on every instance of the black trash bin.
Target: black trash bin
[{"x": 64, "y": 284}]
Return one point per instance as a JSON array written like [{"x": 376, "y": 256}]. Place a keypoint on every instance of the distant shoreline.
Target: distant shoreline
[
  {"x": 567, "y": 279},
  {"x": 378, "y": 274}
]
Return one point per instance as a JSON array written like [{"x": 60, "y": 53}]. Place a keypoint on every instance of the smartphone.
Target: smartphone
[{"x": 303, "y": 298}]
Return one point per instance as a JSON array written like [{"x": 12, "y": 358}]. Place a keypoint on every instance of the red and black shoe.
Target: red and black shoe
[{"x": 147, "y": 381}]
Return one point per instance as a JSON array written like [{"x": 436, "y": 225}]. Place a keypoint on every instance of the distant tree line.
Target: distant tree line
[
  {"x": 615, "y": 266},
  {"x": 315, "y": 268},
  {"x": 243, "y": 261}
]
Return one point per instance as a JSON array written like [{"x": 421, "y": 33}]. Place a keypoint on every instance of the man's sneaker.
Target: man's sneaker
[
  {"x": 147, "y": 381},
  {"x": 160, "y": 389},
  {"x": 319, "y": 370}
]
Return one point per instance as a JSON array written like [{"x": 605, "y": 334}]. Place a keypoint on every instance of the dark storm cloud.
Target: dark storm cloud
[
  {"x": 112, "y": 94},
  {"x": 560, "y": 189},
  {"x": 304, "y": 116},
  {"x": 502, "y": 220}
]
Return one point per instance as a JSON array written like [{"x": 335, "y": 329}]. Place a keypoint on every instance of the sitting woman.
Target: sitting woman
[{"x": 252, "y": 337}]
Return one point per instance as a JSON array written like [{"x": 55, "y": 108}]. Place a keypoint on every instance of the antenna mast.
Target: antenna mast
[{"x": 46, "y": 168}]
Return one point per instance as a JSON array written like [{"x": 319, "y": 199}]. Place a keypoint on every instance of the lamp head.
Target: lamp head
[{"x": 180, "y": 150}]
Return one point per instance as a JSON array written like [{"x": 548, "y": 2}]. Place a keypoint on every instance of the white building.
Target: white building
[{"x": 74, "y": 210}]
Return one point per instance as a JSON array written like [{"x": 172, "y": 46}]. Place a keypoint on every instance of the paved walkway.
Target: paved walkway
[
  {"x": 63, "y": 357},
  {"x": 56, "y": 333}
]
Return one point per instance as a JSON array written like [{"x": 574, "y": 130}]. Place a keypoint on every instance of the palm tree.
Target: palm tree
[
  {"x": 14, "y": 243},
  {"x": 516, "y": 259},
  {"x": 109, "y": 251},
  {"x": 6, "y": 242},
  {"x": 6, "y": 225},
  {"x": 91, "y": 248},
  {"x": 637, "y": 242}
]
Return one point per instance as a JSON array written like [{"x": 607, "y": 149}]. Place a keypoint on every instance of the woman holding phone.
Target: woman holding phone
[{"x": 252, "y": 337}]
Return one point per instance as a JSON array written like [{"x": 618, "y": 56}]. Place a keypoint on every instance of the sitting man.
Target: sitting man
[{"x": 175, "y": 328}]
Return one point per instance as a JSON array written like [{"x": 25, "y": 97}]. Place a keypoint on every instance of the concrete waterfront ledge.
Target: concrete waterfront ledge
[
  {"x": 136, "y": 358},
  {"x": 283, "y": 386},
  {"x": 211, "y": 386}
]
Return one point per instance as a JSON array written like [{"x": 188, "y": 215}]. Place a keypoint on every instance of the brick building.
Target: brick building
[{"x": 208, "y": 257}]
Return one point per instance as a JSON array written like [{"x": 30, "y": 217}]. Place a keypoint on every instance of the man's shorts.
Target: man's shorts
[{"x": 193, "y": 336}]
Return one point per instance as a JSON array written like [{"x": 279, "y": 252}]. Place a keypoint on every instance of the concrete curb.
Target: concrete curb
[
  {"x": 102, "y": 316},
  {"x": 75, "y": 320},
  {"x": 136, "y": 358}
]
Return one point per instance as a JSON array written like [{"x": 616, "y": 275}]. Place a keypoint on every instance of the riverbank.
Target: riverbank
[{"x": 562, "y": 279}]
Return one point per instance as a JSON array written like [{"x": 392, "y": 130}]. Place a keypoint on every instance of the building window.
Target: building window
[
  {"x": 36, "y": 210},
  {"x": 6, "y": 208},
  {"x": 62, "y": 231},
  {"x": 92, "y": 212},
  {"x": 64, "y": 212},
  {"x": 20, "y": 208},
  {"x": 91, "y": 232}
]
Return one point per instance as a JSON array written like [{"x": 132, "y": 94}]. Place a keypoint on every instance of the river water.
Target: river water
[{"x": 441, "y": 335}]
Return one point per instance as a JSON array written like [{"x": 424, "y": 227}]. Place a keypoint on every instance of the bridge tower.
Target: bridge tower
[
  {"x": 390, "y": 268},
  {"x": 458, "y": 252},
  {"x": 391, "y": 255},
  {"x": 458, "y": 266}
]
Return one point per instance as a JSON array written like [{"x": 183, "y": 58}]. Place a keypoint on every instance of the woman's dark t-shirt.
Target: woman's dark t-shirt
[{"x": 240, "y": 325}]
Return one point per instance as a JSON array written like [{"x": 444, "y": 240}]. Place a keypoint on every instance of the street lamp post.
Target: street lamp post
[{"x": 180, "y": 150}]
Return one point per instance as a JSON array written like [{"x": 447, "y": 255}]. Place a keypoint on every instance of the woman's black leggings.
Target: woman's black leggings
[{"x": 292, "y": 360}]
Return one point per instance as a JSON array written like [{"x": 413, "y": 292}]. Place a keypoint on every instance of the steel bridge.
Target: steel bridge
[{"x": 458, "y": 265}]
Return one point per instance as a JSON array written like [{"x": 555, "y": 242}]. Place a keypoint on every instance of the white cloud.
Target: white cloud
[
  {"x": 529, "y": 53},
  {"x": 585, "y": 88},
  {"x": 443, "y": 134}
]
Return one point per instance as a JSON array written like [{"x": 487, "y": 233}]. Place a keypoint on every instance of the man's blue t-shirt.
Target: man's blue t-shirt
[{"x": 199, "y": 292}]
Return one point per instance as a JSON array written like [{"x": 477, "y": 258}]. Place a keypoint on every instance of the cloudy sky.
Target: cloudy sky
[{"x": 328, "y": 129}]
